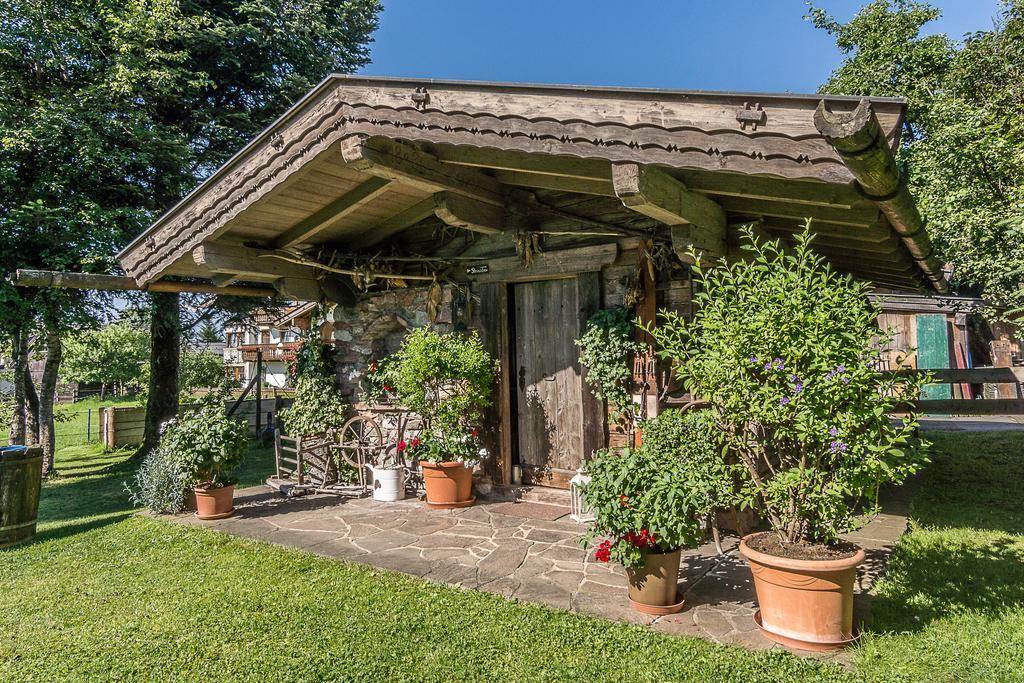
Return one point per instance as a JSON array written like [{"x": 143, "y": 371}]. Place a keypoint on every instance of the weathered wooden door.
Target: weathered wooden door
[
  {"x": 555, "y": 413},
  {"x": 933, "y": 351}
]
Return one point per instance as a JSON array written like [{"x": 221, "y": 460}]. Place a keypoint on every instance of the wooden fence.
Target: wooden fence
[
  {"x": 125, "y": 426},
  {"x": 1000, "y": 391}
]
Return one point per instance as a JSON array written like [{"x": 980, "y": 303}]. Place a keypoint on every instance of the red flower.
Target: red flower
[
  {"x": 473, "y": 433},
  {"x": 415, "y": 442},
  {"x": 401, "y": 446},
  {"x": 624, "y": 501},
  {"x": 387, "y": 387},
  {"x": 603, "y": 552}
]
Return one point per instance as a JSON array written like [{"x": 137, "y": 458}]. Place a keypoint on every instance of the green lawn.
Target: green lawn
[
  {"x": 105, "y": 594},
  {"x": 78, "y": 423},
  {"x": 953, "y": 600}
]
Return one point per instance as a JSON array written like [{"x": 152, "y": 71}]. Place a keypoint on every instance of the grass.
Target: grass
[
  {"x": 952, "y": 602},
  {"x": 72, "y": 420},
  {"x": 106, "y": 594}
]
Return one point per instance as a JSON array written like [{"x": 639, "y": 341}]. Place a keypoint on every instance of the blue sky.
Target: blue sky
[{"x": 755, "y": 45}]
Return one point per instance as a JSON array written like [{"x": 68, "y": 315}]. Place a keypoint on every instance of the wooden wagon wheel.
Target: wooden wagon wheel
[{"x": 360, "y": 442}]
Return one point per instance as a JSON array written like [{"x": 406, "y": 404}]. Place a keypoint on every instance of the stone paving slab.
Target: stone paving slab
[{"x": 527, "y": 559}]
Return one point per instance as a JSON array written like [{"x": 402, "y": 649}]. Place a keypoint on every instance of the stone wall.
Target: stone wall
[{"x": 375, "y": 327}]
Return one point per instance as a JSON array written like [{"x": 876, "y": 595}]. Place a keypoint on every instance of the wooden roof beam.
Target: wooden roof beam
[
  {"x": 122, "y": 283},
  {"x": 396, "y": 224},
  {"x": 411, "y": 166},
  {"x": 245, "y": 262},
  {"x": 697, "y": 222},
  {"x": 469, "y": 214},
  {"x": 858, "y": 138},
  {"x": 351, "y": 201}
]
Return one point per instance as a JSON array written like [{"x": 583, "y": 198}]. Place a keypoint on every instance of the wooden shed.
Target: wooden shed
[{"x": 519, "y": 210}]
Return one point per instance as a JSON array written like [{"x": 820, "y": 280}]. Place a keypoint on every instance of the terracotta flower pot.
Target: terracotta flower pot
[
  {"x": 448, "y": 484},
  {"x": 804, "y": 604},
  {"x": 654, "y": 587},
  {"x": 215, "y": 503}
]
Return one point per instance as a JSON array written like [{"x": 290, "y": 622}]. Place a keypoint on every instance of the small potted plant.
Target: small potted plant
[
  {"x": 208, "y": 447},
  {"x": 447, "y": 460},
  {"x": 447, "y": 379},
  {"x": 785, "y": 352},
  {"x": 650, "y": 502}
]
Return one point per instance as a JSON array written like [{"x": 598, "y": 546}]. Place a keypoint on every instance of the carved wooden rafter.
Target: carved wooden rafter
[{"x": 697, "y": 222}]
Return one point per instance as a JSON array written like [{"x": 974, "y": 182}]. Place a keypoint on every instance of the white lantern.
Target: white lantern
[{"x": 579, "y": 511}]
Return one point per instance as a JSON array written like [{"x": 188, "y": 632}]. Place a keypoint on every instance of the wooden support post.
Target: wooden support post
[
  {"x": 697, "y": 222},
  {"x": 259, "y": 389}
]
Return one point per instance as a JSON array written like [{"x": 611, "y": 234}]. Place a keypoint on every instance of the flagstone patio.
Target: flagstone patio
[{"x": 527, "y": 559}]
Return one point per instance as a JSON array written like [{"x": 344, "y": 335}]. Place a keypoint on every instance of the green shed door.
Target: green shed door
[{"x": 933, "y": 351}]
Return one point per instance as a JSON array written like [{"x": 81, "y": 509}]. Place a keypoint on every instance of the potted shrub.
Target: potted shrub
[
  {"x": 208, "y": 447},
  {"x": 785, "y": 351},
  {"x": 447, "y": 380},
  {"x": 650, "y": 502},
  {"x": 161, "y": 484}
]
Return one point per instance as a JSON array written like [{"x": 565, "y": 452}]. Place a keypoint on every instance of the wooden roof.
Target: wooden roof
[{"x": 362, "y": 163}]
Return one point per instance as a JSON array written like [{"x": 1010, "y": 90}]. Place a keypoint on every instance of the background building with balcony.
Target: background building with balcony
[{"x": 277, "y": 334}]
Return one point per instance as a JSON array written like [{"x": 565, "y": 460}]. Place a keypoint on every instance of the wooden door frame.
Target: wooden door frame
[
  {"x": 592, "y": 423},
  {"x": 501, "y": 274}
]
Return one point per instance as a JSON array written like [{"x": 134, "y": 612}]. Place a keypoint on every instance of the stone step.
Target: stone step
[{"x": 531, "y": 494}]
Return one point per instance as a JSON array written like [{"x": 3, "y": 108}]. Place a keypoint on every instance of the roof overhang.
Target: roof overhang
[{"x": 360, "y": 160}]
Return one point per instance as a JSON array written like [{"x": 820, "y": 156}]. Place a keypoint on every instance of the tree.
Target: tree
[
  {"x": 112, "y": 111},
  {"x": 200, "y": 370},
  {"x": 111, "y": 355},
  {"x": 964, "y": 142}
]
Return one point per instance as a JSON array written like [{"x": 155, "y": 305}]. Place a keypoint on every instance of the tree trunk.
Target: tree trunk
[
  {"x": 48, "y": 385},
  {"x": 164, "y": 354},
  {"x": 19, "y": 344},
  {"x": 31, "y": 409}
]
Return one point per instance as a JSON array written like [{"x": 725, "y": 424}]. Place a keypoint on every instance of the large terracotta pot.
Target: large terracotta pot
[
  {"x": 654, "y": 587},
  {"x": 804, "y": 604},
  {"x": 448, "y": 484},
  {"x": 215, "y": 503}
]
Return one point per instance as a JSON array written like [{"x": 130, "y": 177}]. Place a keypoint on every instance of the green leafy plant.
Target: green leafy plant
[
  {"x": 160, "y": 484},
  {"x": 199, "y": 370},
  {"x": 318, "y": 406},
  {"x": 606, "y": 351},
  {"x": 447, "y": 379},
  {"x": 206, "y": 444},
  {"x": 693, "y": 438},
  {"x": 436, "y": 446},
  {"x": 377, "y": 383},
  {"x": 786, "y": 351},
  {"x": 654, "y": 498}
]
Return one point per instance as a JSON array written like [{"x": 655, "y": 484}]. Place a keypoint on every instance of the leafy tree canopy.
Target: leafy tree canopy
[
  {"x": 115, "y": 354},
  {"x": 965, "y": 144}
]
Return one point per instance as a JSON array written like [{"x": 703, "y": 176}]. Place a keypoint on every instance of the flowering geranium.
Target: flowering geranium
[
  {"x": 654, "y": 498},
  {"x": 437, "y": 446},
  {"x": 786, "y": 352}
]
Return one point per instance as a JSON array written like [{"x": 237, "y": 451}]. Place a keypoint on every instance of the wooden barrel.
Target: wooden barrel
[{"x": 21, "y": 476}]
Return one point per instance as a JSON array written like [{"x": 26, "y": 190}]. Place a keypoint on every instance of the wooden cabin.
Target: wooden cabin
[{"x": 519, "y": 210}]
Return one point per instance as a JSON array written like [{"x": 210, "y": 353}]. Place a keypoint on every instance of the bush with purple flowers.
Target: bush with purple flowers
[{"x": 785, "y": 350}]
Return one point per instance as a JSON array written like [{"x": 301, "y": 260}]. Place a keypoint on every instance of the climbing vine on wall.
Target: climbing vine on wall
[{"x": 606, "y": 351}]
